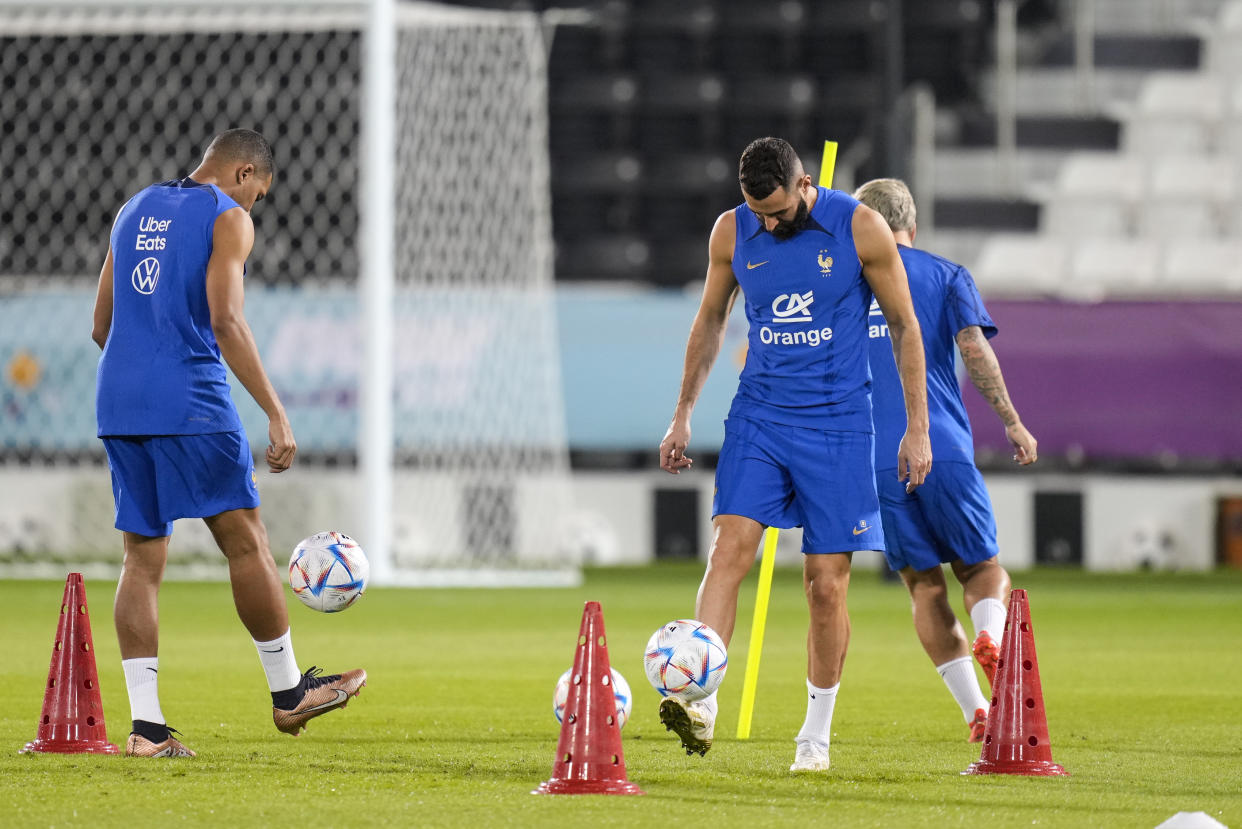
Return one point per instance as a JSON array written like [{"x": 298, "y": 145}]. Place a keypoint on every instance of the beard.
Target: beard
[{"x": 785, "y": 230}]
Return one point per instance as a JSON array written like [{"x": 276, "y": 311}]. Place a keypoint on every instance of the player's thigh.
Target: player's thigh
[
  {"x": 205, "y": 475},
  {"x": 238, "y": 532},
  {"x": 957, "y": 507},
  {"x": 909, "y": 540},
  {"x": 135, "y": 487},
  {"x": 751, "y": 477},
  {"x": 835, "y": 490}
]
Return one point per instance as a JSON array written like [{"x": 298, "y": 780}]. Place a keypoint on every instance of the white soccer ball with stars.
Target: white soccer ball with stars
[
  {"x": 686, "y": 659},
  {"x": 620, "y": 689},
  {"x": 328, "y": 571}
]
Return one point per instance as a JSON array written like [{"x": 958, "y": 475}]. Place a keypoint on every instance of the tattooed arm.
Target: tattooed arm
[{"x": 985, "y": 373}]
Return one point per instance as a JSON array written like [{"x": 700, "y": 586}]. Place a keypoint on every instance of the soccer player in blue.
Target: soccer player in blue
[
  {"x": 949, "y": 519},
  {"x": 798, "y": 439},
  {"x": 169, "y": 307}
]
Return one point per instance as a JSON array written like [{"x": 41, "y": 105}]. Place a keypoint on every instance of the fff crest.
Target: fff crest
[{"x": 825, "y": 263}]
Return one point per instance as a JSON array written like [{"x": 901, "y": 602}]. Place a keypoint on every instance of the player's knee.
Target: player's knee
[
  {"x": 827, "y": 592},
  {"x": 988, "y": 570},
  {"x": 148, "y": 568},
  {"x": 244, "y": 545},
  {"x": 731, "y": 557}
]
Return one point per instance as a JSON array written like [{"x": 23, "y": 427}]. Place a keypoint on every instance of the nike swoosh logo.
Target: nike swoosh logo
[
  {"x": 278, "y": 650},
  {"x": 154, "y": 670},
  {"x": 751, "y": 267},
  {"x": 857, "y": 531},
  {"x": 341, "y": 696}
]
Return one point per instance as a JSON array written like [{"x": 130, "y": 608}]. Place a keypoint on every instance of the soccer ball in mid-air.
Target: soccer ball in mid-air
[
  {"x": 686, "y": 659},
  {"x": 328, "y": 571},
  {"x": 620, "y": 689}
]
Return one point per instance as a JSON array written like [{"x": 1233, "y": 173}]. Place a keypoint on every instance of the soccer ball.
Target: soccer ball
[
  {"x": 620, "y": 689},
  {"x": 686, "y": 659},
  {"x": 328, "y": 571}
]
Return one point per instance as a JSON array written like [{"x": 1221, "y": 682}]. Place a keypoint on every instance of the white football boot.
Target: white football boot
[
  {"x": 811, "y": 756},
  {"x": 693, "y": 722}
]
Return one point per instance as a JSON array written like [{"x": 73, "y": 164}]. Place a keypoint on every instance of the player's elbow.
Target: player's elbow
[
  {"x": 902, "y": 324},
  {"x": 227, "y": 327},
  {"x": 100, "y": 335}
]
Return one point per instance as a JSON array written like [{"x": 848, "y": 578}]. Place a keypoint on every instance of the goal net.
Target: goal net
[{"x": 105, "y": 97}]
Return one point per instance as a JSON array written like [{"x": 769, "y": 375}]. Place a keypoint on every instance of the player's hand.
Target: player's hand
[
  {"x": 281, "y": 447},
  {"x": 1023, "y": 443},
  {"x": 914, "y": 459},
  {"x": 673, "y": 448}
]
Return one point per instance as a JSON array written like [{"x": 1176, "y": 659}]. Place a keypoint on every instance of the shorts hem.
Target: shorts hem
[
  {"x": 764, "y": 521},
  {"x": 841, "y": 550}
]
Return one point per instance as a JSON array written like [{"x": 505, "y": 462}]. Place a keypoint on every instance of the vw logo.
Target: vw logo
[{"x": 146, "y": 274}]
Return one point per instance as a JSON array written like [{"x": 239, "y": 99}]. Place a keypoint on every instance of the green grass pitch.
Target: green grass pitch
[{"x": 1141, "y": 677}]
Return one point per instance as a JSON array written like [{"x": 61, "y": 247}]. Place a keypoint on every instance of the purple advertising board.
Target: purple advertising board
[{"x": 1120, "y": 380}]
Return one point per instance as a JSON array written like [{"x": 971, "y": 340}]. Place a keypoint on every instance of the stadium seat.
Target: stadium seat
[
  {"x": 792, "y": 94},
  {"x": 615, "y": 256},
  {"x": 1225, "y": 43},
  {"x": 749, "y": 18},
  {"x": 1095, "y": 194},
  {"x": 1230, "y": 142},
  {"x": 611, "y": 92},
  {"x": 690, "y": 172},
  {"x": 1181, "y": 110},
  {"x": 1021, "y": 264},
  {"x": 1189, "y": 196},
  {"x": 700, "y": 92},
  {"x": 1128, "y": 16},
  {"x": 1202, "y": 266},
  {"x": 1115, "y": 267},
  {"x": 603, "y": 173}
]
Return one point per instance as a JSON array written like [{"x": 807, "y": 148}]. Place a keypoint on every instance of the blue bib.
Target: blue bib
[
  {"x": 806, "y": 301},
  {"x": 945, "y": 301},
  {"x": 161, "y": 372}
]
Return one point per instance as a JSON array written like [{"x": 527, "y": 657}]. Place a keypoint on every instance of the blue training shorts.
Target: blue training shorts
[
  {"x": 158, "y": 479},
  {"x": 947, "y": 518},
  {"x": 787, "y": 476}
]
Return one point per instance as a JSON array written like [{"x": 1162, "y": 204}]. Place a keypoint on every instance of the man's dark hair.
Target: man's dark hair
[
  {"x": 766, "y": 165},
  {"x": 242, "y": 145}
]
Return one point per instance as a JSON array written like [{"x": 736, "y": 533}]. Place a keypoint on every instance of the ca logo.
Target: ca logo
[
  {"x": 792, "y": 307},
  {"x": 146, "y": 274}
]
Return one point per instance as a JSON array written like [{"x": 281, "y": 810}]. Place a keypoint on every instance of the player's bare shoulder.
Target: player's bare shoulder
[
  {"x": 724, "y": 237},
  {"x": 869, "y": 226},
  {"x": 233, "y": 233}
]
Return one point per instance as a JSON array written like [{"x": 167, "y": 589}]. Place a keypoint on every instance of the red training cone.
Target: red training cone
[
  {"x": 588, "y": 753},
  {"x": 73, "y": 718},
  {"x": 1016, "y": 738}
]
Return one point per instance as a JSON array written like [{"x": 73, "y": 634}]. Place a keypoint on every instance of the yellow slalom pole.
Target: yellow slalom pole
[
  {"x": 829, "y": 164},
  {"x": 757, "y": 625}
]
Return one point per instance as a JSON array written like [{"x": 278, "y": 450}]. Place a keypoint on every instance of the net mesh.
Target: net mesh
[
  {"x": 478, "y": 384},
  {"x": 109, "y": 97}
]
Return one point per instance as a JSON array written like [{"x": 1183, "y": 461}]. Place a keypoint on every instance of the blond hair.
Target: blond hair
[{"x": 890, "y": 197}]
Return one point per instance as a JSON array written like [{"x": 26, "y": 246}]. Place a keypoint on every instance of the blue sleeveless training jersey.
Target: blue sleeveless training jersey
[
  {"x": 161, "y": 372},
  {"x": 806, "y": 301},
  {"x": 945, "y": 301}
]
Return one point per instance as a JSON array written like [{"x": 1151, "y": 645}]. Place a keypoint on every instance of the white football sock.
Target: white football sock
[
  {"x": 988, "y": 615},
  {"x": 959, "y": 675},
  {"x": 278, "y": 663},
  {"x": 141, "y": 680},
  {"x": 819, "y": 704},
  {"x": 709, "y": 704}
]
